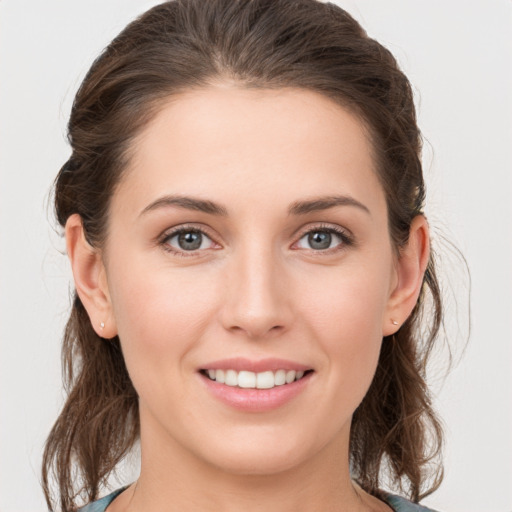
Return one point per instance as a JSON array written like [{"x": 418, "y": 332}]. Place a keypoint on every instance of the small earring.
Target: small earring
[
  {"x": 394, "y": 322},
  {"x": 102, "y": 325}
]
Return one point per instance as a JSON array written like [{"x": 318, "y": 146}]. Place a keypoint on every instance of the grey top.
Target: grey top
[{"x": 397, "y": 503}]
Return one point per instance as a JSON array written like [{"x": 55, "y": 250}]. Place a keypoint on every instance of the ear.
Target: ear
[
  {"x": 410, "y": 269},
  {"x": 90, "y": 278}
]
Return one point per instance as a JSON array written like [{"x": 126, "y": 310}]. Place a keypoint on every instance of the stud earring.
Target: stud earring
[
  {"x": 394, "y": 322},
  {"x": 102, "y": 325}
]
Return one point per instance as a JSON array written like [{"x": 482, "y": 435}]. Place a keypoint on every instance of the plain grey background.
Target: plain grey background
[{"x": 458, "y": 56}]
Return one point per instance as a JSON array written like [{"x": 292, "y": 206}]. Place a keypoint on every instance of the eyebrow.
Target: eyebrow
[
  {"x": 297, "y": 208},
  {"x": 188, "y": 203},
  {"x": 324, "y": 203}
]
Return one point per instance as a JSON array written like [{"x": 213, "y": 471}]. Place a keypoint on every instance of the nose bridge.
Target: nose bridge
[{"x": 256, "y": 300}]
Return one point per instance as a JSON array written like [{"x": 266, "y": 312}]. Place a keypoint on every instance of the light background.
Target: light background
[{"x": 458, "y": 55}]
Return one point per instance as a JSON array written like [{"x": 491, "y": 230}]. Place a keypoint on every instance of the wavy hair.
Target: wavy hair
[{"x": 184, "y": 44}]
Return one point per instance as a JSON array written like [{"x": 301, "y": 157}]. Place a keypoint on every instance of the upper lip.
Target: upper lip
[{"x": 240, "y": 364}]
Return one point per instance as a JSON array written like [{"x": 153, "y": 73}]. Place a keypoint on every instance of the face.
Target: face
[{"x": 248, "y": 243}]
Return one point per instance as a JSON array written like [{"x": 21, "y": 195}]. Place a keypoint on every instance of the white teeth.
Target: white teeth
[
  {"x": 280, "y": 377},
  {"x": 290, "y": 376},
  {"x": 247, "y": 379},
  {"x": 252, "y": 380},
  {"x": 265, "y": 380},
  {"x": 231, "y": 378}
]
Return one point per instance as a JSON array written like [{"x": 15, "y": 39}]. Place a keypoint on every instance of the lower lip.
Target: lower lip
[{"x": 256, "y": 400}]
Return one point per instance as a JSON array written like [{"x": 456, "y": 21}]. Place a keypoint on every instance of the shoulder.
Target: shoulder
[
  {"x": 101, "y": 504},
  {"x": 399, "y": 504}
]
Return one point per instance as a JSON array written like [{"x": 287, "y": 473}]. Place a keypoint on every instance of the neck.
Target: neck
[
  {"x": 173, "y": 478},
  {"x": 166, "y": 485}
]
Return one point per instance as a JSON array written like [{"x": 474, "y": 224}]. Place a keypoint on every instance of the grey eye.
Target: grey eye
[
  {"x": 189, "y": 240},
  {"x": 320, "y": 239}
]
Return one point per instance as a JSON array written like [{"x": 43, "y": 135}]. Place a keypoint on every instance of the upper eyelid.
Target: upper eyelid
[
  {"x": 170, "y": 232},
  {"x": 324, "y": 227},
  {"x": 298, "y": 233}
]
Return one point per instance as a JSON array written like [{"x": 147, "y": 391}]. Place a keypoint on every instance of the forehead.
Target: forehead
[{"x": 265, "y": 143}]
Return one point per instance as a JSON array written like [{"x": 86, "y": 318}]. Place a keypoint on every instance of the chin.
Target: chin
[
  {"x": 258, "y": 464},
  {"x": 259, "y": 456}
]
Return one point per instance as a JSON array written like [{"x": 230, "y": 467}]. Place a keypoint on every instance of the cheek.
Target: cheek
[
  {"x": 346, "y": 314},
  {"x": 160, "y": 314},
  {"x": 350, "y": 302}
]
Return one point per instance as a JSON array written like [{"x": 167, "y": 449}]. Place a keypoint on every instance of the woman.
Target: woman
[{"x": 243, "y": 216}]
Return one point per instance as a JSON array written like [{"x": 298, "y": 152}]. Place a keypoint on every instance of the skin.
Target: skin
[{"x": 256, "y": 288}]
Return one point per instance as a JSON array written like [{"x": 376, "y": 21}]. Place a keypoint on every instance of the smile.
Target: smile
[{"x": 252, "y": 380}]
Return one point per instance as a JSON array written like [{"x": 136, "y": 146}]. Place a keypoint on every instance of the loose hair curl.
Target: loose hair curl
[{"x": 185, "y": 44}]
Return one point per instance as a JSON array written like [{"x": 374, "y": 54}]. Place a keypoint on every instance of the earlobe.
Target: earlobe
[
  {"x": 410, "y": 267},
  {"x": 90, "y": 278}
]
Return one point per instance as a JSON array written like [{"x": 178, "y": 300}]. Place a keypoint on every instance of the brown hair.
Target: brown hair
[{"x": 182, "y": 44}]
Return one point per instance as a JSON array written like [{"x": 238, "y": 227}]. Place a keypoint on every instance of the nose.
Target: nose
[{"x": 257, "y": 299}]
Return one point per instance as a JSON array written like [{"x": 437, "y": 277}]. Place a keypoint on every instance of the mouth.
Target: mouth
[
  {"x": 256, "y": 385},
  {"x": 255, "y": 380}
]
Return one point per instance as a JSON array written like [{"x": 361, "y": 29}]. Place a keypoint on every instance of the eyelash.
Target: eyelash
[{"x": 346, "y": 239}]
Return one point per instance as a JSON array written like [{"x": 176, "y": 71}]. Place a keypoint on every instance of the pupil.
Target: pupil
[
  {"x": 320, "y": 240},
  {"x": 190, "y": 240}
]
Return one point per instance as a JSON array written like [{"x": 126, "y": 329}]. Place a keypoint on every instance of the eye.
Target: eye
[
  {"x": 324, "y": 238},
  {"x": 185, "y": 240}
]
